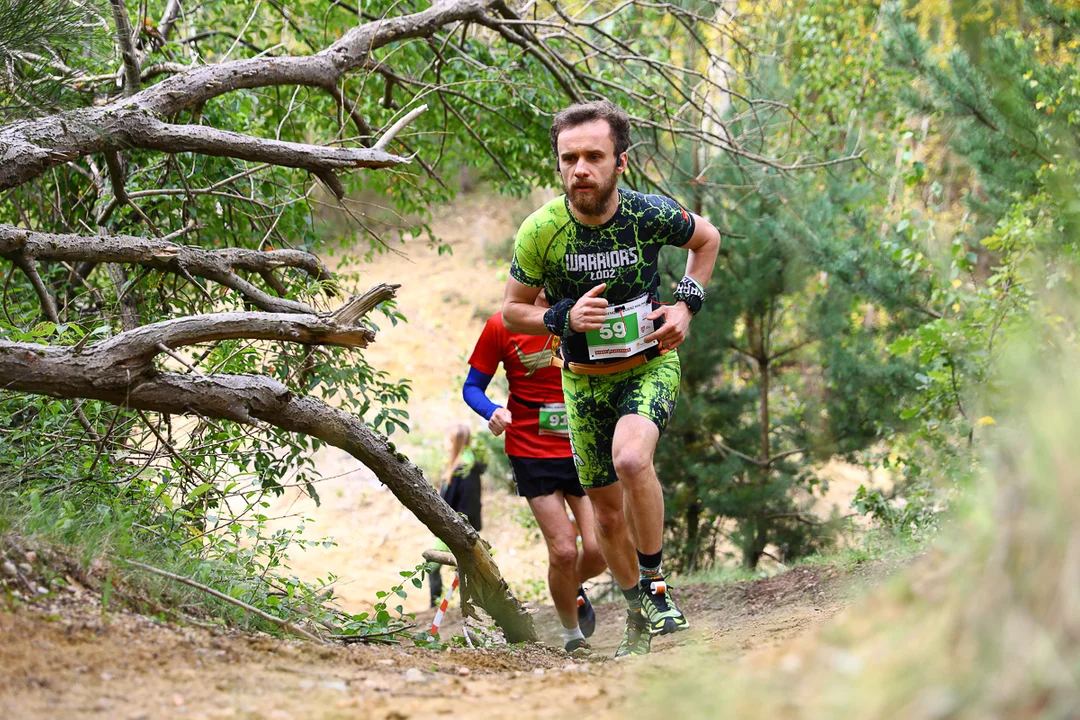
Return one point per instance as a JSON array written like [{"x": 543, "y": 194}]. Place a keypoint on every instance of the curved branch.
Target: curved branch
[
  {"x": 120, "y": 361},
  {"x": 163, "y": 68},
  {"x": 32, "y": 147},
  {"x": 724, "y": 451},
  {"x": 389, "y": 135},
  {"x": 211, "y": 141},
  {"x": 124, "y": 37},
  {"x": 161, "y": 254},
  {"x": 26, "y": 264},
  {"x": 211, "y": 33},
  {"x": 168, "y": 19},
  {"x": 294, "y": 629}
]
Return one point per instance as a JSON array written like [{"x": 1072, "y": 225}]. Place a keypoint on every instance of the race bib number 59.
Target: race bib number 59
[{"x": 620, "y": 335}]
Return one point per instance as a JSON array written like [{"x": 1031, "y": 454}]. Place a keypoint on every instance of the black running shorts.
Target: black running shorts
[{"x": 543, "y": 476}]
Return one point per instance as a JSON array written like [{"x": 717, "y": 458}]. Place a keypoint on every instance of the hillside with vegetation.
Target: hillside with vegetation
[{"x": 246, "y": 250}]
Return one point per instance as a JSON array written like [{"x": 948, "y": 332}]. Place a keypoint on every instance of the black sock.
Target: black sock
[{"x": 649, "y": 565}]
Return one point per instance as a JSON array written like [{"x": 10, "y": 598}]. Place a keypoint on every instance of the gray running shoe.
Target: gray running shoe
[
  {"x": 585, "y": 613},
  {"x": 576, "y": 644}
]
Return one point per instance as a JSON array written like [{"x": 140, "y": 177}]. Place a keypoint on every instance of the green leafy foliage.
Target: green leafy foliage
[
  {"x": 1008, "y": 111},
  {"x": 787, "y": 365}
]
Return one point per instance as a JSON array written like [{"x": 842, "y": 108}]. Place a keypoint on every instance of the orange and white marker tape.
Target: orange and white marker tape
[{"x": 437, "y": 620}]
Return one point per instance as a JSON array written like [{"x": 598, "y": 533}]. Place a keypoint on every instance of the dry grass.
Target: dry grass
[{"x": 987, "y": 624}]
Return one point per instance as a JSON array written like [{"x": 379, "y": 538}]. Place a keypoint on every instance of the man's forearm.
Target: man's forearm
[
  {"x": 525, "y": 318},
  {"x": 700, "y": 262}
]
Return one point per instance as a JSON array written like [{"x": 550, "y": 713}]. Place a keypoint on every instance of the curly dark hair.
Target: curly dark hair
[{"x": 581, "y": 113}]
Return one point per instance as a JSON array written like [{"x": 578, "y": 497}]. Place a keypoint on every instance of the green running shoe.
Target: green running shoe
[
  {"x": 659, "y": 608},
  {"x": 636, "y": 639}
]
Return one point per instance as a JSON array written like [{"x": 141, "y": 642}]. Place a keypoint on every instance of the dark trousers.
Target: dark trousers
[{"x": 435, "y": 579}]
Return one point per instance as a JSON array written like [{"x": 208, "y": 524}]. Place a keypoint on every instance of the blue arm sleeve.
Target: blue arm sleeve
[{"x": 474, "y": 394}]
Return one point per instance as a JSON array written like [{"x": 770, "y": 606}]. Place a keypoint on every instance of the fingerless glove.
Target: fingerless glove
[{"x": 557, "y": 318}]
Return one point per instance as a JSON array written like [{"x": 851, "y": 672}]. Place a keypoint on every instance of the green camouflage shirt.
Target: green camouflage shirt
[{"x": 567, "y": 258}]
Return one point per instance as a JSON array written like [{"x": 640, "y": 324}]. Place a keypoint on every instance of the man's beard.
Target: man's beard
[{"x": 595, "y": 201}]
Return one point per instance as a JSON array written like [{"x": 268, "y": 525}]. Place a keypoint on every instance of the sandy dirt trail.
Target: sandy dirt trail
[{"x": 63, "y": 658}]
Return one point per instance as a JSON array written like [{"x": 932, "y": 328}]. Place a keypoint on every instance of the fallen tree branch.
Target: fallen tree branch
[
  {"x": 119, "y": 370},
  {"x": 222, "y": 596},
  {"x": 251, "y": 399},
  {"x": 371, "y": 637},
  {"x": 23, "y": 246}
]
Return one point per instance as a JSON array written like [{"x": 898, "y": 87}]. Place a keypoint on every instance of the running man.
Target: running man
[
  {"x": 534, "y": 421},
  {"x": 595, "y": 250}
]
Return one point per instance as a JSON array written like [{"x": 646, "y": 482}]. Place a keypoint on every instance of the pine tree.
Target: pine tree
[
  {"x": 1008, "y": 110},
  {"x": 786, "y": 367}
]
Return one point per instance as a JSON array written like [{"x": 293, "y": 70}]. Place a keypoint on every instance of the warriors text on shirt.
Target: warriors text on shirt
[{"x": 588, "y": 262}]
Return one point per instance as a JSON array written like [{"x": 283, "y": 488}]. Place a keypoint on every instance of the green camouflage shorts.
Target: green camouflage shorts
[{"x": 594, "y": 404}]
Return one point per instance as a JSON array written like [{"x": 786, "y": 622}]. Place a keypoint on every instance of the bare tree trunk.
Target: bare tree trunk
[
  {"x": 693, "y": 537},
  {"x": 763, "y": 413}
]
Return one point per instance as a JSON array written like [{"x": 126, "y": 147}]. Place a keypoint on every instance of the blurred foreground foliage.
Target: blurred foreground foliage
[{"x": 986, "y": 623}]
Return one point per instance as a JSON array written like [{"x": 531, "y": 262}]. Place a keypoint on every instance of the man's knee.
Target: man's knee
[
  {"x": 631, "y": 462},
  {"x": 562, "y": 554},
  {"x": 609, "y": 520}
]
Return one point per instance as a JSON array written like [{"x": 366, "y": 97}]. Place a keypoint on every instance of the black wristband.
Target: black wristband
[
  {"x": 557, "y": 318},
  {"x": 690, "y": 292}
]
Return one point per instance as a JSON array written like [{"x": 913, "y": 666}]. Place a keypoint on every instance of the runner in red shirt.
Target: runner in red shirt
[{"x": 538, "y": 444}]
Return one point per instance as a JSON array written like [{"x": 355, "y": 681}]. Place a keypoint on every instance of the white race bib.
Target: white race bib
[{"x": 620, "y": 335}]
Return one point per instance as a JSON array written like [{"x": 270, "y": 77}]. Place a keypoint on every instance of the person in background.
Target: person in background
[
  {"x": 538, "y": 445},
  {"x": 461, "y": 491}
]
